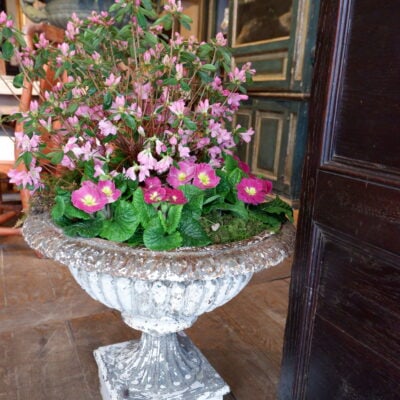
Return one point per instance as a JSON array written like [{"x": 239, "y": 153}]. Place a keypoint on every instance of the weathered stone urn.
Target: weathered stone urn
[{"x": 160, "y": 294}]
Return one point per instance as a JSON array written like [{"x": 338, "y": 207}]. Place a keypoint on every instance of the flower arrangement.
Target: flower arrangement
[{"x": 134, "y": 142}]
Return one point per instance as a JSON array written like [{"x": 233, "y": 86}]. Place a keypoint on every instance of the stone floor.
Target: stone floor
[{"x": 49, "y": 328}]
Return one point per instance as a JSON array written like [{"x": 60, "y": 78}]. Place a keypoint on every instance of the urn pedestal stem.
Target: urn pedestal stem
[{"x": 157, "y": 367}]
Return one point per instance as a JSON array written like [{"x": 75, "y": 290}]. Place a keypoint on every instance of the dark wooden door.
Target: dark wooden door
[{"x": 342, "y": 336}]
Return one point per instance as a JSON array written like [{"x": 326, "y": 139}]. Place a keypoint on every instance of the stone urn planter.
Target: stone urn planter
[{"x": 160, "y": 294}]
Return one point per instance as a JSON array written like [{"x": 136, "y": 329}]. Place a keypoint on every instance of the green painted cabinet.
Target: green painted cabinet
[{"x": 278, "y": 37}]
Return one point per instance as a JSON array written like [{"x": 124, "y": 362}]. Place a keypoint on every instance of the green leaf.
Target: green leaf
[
  {"x": 155, "y": 238},
  {"x": 145, "y": 211},
  {"x": 89, "y": 170},
  {"x": 236, "y": 176},
  {"x": 58, "y": 209},
  {"x": 195, "y": 197},
  {"x": 186, "y": 21},
  {"x": 174, "y": 217},
  {"x": 166, "y": 21},
  {"x": 18, "y": 80},
  {"x": 193, "y": 233},
  {"x": 184, "y": 86},
  {"x": 238, "y": 209},
  {"x": 123, "y": 224},
  {"x": 72, "y": 212},
  {"x": 170, "y": 81},
  {"x": 27, "y": 158},
  {"x": 87, "y": 229},
  {"x": 189, "y": 124},
  {"x": 230, "y": 163},
  {"x": 210, "y": 199},
  {"x": 55, "y": 156},
  {"x": 72, "y": 108},
  {"x": 7, "y": 50},
  {"x": 279, "y": 208},
  {"x": 208, "y": 67},
  {"x": 107, "y": 100},
  {"x": 129, "y": 120}
]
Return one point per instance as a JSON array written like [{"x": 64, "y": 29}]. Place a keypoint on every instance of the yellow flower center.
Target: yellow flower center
[
  {"x": 107, "y": 191},
  {"x": 251, "y": 190},
  {"x": 181, "y": 176},
  {"x": 204, "y": 178},
  {"x": 155, "y": 196},
  {"x": 89, "y": 200}
]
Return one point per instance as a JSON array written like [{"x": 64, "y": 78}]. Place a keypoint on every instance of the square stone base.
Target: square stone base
[{"x": 207, "y": 386}]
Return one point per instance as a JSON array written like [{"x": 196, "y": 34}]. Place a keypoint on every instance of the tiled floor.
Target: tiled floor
[{"x": 49, "y": 328}]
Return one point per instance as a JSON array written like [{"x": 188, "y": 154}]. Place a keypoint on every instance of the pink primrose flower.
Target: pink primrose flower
[
  {"x": 244, "y": 167},
  {"x": 154, "y": 194},
  {"x": 176, "y": 196},
  {"x": 182, "y": 175},
  {"x": 152, "y": 182},
  {"x": 109, "y": 189},
  {"x": 252, "y": 190},
  {"x": 89, "y": 198},
  {"x": 205, "y": 177}
]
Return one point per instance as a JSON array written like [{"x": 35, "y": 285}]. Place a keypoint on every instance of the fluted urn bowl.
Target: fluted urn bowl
[{"x": 160, "y": 294}]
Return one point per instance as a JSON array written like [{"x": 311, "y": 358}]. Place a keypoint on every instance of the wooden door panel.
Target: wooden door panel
[
  {"x": 356, "y": 372},
  {"x": 371, "y": 75},
  {"x": 355, "y": 299},
  {"x": 342, "y": 337},
  {"x": 368, "y": 211}
]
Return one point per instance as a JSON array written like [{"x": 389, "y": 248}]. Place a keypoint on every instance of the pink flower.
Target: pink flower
[
  {"x": 152, "y": 182},
  {"x": 203, "y": 106},
  {"x": 253, "y": 190},
  {"x": 234, "y": 100},
  {"x": 154, "y": 194},
  {"x": 246, "y": 136},
  {"x": 146, "y": 159},
  {"x": 109, "y": 189},
  {"x": 244, "y": 167},
  {"x": 89, "y": 198},
  {"x": 112, "y": 80},
  {"x": 178, "y": 108},
  {"x": 164, "y": 164},
  {"x": 130, "y": 173},
  {"x": 182, "y": 175},
  {"x": 220, "y": 39},
  {"x": 107, "y": 127},
  {"x": 176, "y": 196},
  {"x": 205, "y": 177},
  {"x": 25, "y": 143}
]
